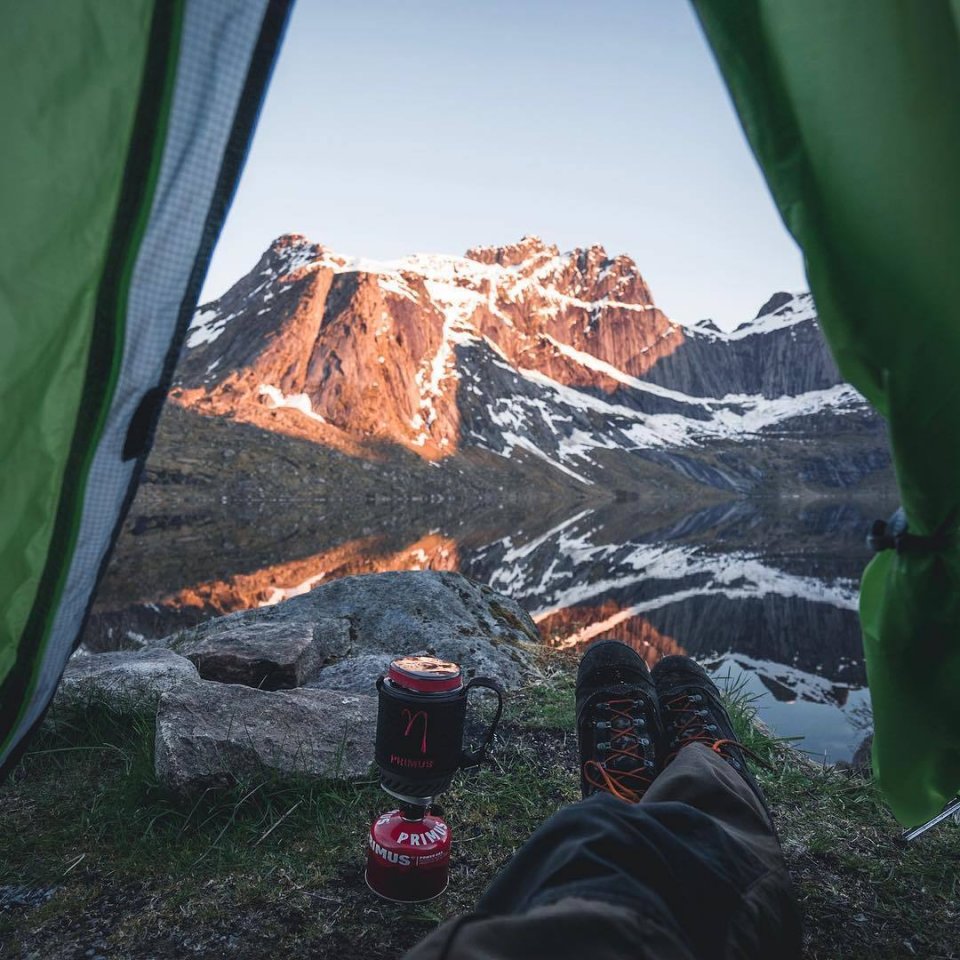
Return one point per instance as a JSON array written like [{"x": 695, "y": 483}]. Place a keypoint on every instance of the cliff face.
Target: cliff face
[
  {"x": 543, "y": 301},
  {"x": 780, "y": 352},
  {"x": 370, "y": 350},
  {"x": 520, "y": 350}
]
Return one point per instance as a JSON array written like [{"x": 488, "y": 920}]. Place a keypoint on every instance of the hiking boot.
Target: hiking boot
[
  {"x": 618, "y": 722},
  {"x": 692, "y": 712}
]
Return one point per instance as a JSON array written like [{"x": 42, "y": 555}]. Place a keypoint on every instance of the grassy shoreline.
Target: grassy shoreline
[{"x": 96, "y": 860}]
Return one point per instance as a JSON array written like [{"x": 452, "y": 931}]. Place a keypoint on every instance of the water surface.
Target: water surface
[{"x": 762, "y": 592}]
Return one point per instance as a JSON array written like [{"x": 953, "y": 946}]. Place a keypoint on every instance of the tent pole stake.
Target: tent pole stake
[{"x": 949, "y": 810}]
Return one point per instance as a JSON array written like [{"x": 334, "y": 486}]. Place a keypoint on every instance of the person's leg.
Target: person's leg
[
  {"x": 692, "y": 870},
  {"x": 575, "y": 928},
  {"x": 696, "y": 857},
  {"x": 705, "y": 767}
]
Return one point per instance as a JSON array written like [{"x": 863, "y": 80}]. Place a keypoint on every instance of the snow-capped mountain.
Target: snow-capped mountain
[{"x": 520, "y": 350}]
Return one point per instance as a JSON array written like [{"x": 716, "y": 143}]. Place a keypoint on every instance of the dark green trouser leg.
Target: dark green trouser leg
[{"x": 692, "y": 872}]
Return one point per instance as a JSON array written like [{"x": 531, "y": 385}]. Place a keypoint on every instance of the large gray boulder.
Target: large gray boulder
[
  {"x": 360, "y": 623},
  {"x": 356, "y": 674},
  {"x": 214, "y": 734},
  {"x": 131, "y": 679}
]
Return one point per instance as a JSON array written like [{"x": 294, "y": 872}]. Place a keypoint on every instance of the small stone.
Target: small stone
[
  {"x": 270, "y": 656},
  {"x": 133, "y": 679}
]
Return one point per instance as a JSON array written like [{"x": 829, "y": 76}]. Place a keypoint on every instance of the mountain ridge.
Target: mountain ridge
[{"x": 563, "y": 356}]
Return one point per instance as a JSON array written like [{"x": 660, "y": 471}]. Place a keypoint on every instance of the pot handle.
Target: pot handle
[{"x": 472, "y": 758}]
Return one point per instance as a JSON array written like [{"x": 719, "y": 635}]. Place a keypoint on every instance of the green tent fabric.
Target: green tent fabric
[
  {"x": 125, "y": 126},
  {"x": 853, "y": 111}
]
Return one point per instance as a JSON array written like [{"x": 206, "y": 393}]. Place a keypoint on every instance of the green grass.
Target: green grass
[
  {"x": 548, "y": 706},
  {"x": 270, "y": 861},
  {"x": 863, "y": 892},
  {"x": 275, "y": 867}
]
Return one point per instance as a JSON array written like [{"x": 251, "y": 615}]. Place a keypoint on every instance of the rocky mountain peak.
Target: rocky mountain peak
[
  {"x": 594, "y": 257},
  {"x": 290, "y": 252},
  {"x": 707, "y": 325},
  {"x": 586, "y": 273},
  {"x": 527, "y": 249},
  {"x": 291, "y": 241},
  {"x": 778, "y": 300},
  {"x": 512, "y": 347},
  {"x": 782, "y": 309}
]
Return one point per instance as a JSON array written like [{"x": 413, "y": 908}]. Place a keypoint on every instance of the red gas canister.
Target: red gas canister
[{"x": 408, "y": 857}]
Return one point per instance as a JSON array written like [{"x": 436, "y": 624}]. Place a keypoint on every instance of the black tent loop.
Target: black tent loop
[{"x": 893, "y": 534}]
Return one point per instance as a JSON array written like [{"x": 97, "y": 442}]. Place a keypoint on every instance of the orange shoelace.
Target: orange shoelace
[
  {"x": 629, "y": 785},
  {"x": 694, "y": 730}
]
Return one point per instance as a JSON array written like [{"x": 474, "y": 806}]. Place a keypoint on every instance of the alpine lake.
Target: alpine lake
[{"x": 763, "y": 592}]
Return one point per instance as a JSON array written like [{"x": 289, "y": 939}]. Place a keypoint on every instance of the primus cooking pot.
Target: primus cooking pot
[{"x": 420, "y": 724}]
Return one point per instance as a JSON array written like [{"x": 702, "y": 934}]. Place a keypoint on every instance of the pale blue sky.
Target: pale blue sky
[{"x": 393, "y": 128}]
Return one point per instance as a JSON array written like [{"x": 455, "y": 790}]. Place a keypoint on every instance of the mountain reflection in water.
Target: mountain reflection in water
[{"x": 764, "y": 593}]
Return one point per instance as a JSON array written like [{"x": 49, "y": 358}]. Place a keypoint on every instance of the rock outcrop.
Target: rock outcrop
[
  {"x": 213, "y": 734},
  {"x": 125, "y": 679},
  {"x": 289, "y": 689},
  {"x": 357, "y": 623}
]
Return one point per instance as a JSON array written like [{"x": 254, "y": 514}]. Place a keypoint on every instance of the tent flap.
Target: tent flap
[
  {"x": 853, "y": 111},
  {"x": 125, "y": 130}
]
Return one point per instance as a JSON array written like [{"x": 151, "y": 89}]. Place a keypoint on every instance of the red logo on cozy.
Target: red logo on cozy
[{"x": 411, "y": 719}]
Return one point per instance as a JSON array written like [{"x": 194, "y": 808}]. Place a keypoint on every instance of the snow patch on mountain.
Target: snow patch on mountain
[
  {"x": 554, "y": 414},
  {"x": 206, "y": 326},
  {"x": 276, "y": 399},
  {"x": 798, "y": 309},
  {"x": 594, "y": 363}
]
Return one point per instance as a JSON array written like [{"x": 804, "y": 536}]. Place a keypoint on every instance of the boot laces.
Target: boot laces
[
  {"x": 691, "y": 723},
  {"x": 624, "y": 770}
]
